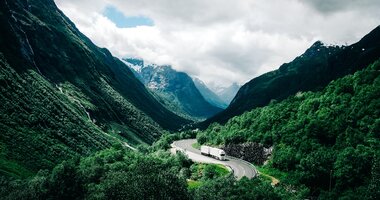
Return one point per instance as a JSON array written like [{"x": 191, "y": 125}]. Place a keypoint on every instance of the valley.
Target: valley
[{"x": 77, "y": 122}]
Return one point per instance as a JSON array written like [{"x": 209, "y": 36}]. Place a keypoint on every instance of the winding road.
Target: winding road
[{"x": 240, "y": 167}]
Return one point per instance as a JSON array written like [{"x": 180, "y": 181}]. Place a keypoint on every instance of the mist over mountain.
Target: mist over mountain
[
  {"x": 227, "y": 94},
  {"x": 77, "y": 123},
  {"x": 209, "y": 95},
  {"x": 175, "y": 90}
]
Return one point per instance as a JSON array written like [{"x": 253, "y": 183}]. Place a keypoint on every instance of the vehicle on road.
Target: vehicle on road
[{"x": 213, "y": 152}]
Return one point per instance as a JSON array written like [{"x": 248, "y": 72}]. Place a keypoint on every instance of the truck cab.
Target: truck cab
[{"x": 222, "y": 155}]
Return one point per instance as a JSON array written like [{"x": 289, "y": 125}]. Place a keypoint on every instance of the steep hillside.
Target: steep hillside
[
  {"x": 319, "y": 138},
  {"x": 61, "y": 95},
  {"x": 174, "y": 89},
  {"x": 209, "y": 95},
  {"x": 227, "y": 94},
  {"x": 311, "y": 71}
]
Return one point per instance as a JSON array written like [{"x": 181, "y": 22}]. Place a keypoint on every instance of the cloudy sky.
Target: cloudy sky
[{"x": 220, "y": 41}]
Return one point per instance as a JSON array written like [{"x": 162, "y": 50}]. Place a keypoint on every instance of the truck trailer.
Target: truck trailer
[{"x": 213, "y": 152}]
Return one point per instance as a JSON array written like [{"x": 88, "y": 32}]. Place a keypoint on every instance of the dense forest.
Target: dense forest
[
  {"x": 117, "y": 173},
  {"x": 76, "y": 123},
  {"x": 327, "y": 141}
]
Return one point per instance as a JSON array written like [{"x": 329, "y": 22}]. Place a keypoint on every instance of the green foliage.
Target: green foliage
[
  {"x": 13, "y": 169},
  {"x": 211, "y": 171},
  {"x": 167, "y": 138},
  {"x": 196, "y": 145},
  {"x": 229, "y": 188},
  {"x": 273, "y": 175},
  {"x": 318, "y": 137},
  {"x": 109, "y": 174},
  {"x": 177, "y": 92},
  {"x": 62, "y": 96},
  {"x": 312, "y": 71},
  {"x": 208, "y": 171},
  {"x": 351, "y": 164},
  {"x": 40, "y": 127},
  {"x": 194, "y": 184}
]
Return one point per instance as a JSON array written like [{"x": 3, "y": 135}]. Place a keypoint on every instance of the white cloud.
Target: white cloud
[{"x": 223, "y": 41}]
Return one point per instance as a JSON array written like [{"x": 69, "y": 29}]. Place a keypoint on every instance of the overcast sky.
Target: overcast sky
[{"x": 220, "y": 41}]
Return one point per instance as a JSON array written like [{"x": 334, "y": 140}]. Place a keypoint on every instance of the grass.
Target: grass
[
  {"x": 192, "y": 184},
  {"x": 221, "y": 169},
  {"x": 196, "y": 146},
  {"x": 13, "y": 169},
  {"x": 126, "y": 135},
  {"x": 272, "y": 171},
  {"x": 272, "y": 174},
  {"x": 199, "y": 170}
]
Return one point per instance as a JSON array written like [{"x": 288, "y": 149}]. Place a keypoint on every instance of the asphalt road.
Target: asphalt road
[{"x": 240, "y": 167}]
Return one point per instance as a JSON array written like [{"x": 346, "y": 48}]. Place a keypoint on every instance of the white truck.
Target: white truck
[{"x": 213, "y": 152}]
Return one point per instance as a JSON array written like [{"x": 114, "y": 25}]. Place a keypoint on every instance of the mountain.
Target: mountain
[
  {"x": 227, "y": 93},
  {"x": 176, "y": 90},
  {"x": 327, "y": 141},
  {"x": 311, "y": 71},
  {"x": 63, "y": 96},
  {"x": 209, "y": 95}
]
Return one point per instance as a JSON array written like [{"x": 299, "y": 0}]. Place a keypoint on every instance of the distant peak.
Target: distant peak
[
  {"x": 195, "y": 79},
  {"x": 317, "y": 44},
  {"x": 235, "y": 84},
  {"x": 135, "y": 61}
]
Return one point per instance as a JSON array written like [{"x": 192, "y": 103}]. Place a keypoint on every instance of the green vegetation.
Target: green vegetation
[
  {"x": 109, "y": 174},
  {"x": 220, "y": 170},
  {"x": 311, "y": 71},
  {"x": 177, "y": 91},
  {"x": 62, "y": 96},
  {"x": 273, "y": 175},
  {"x": 193, "y": 184},
  {"x": 321, "y": 137},
  {"x": 68, "y": 107},
  {"x": 201, "y": 173},
  {"x": 119, "y": 174},
  {"x": 257, "y": 188},
  {"x": 13, "y": 169},
  {"x": 40, "y": 127},
  {"x": 207, "y": 171},
  {"x": 196, "y": 145},
  {"x": 270, "y": 171}
]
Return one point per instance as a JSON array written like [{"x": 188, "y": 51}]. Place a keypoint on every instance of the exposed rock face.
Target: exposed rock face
[
  {"x": 175, "y": 90},
  {"x": 251, "y": 152}
]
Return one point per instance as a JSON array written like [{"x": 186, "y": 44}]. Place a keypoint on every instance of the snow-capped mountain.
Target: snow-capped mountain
[
  {"x": 176, "y": 90},
  {"x": 226, "y": 94},
  {"x": 208, "y": 94}
]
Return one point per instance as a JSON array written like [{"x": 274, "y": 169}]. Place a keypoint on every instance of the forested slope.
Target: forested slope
[
  {"x": 63, "y": 96},
  {"x": 317, "y": 133}
]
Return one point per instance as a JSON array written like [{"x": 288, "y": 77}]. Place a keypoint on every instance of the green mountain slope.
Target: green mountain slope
[
  {"x": 61, "y": 95},
  {"x": 309, "y": 72},
  {"x": 209, "y": 95},
  {"x": 319, "y": 138},
  {"x": 178, "y": 87},
  {"x": 176, "y": 90}
]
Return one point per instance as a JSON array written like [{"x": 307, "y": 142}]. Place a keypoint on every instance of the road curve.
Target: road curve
[{"x": 240, "y": 167}]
